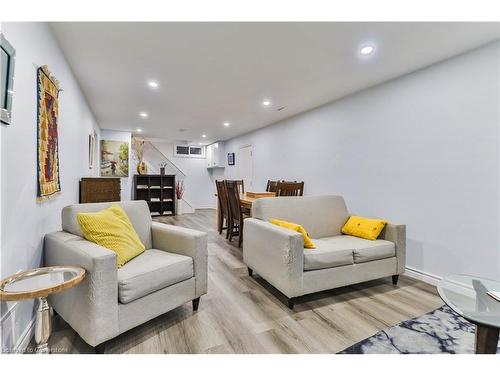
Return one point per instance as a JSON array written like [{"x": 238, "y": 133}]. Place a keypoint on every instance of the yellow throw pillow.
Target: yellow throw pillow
[
  {"x": 296, "y": 228},
  {"x": 364, "y": 227},
  {"x": 111, "y": 228}
]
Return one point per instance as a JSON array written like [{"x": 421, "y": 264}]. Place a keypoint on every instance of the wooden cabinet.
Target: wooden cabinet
[
  {"x": 99, "y": 189},
  {"x": 158, "y": 190},
  {"x": 215, "y": 155}
]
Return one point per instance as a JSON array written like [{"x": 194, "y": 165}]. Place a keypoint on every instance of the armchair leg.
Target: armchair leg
[
  {"x": 395, "y": 279},
  {"x": 99, "y": 349},
  {"x": 291, "y": 303},
  {"x": 196, "y": 303},
  {"x": 250, "y": 272}
]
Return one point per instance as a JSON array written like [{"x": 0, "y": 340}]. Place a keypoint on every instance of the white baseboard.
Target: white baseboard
[
  {"x": 27, "y": 335},
  {"x": 11, "y": 341},
  {"x": 421, "y": 275}
]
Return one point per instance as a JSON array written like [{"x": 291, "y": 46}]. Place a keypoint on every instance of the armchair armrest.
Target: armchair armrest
[
  {"x": 91, "y": 307},
  {"x": 276, "y": 253},
  {"x": 397, "y": 233},
  {"x": 187, "y": 242}
]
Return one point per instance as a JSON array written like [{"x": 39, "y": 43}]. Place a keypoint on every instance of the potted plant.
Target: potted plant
[
  {"x": 179, "y": 193},
  {"x": 138, "y": 149}
]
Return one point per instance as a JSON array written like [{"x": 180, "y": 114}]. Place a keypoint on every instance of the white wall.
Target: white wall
[
  {"x": 199, "y": 183},
  {"x": 421, "y": 150},
  {"x": 126, "y": 182},
  {"x": 24, "y": 221}
]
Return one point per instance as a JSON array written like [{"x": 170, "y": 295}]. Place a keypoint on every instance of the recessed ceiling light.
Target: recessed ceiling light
[
  {"x": 153, "y": 84},
  {"x": 266, "y": 103},
  {"x": 139, "y": 130},
  {"x": 226, "y": 124},
  {"x": 201, "y": 144},
  {"x": 204, "y": 136},
  {"x": 143, "y": 114},
  {"x": 366, "y": 50}
]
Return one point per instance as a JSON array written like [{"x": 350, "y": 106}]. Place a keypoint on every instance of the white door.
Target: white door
[{"x": 245, "y": 166}]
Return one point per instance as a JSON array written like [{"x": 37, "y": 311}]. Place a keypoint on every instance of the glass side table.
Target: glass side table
[
  {"x": 466, "y": 295},
  {"x": 39, "y": 283}
]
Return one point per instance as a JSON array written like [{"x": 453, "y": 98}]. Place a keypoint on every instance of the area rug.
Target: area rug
[{"x": 440, "y": 331}]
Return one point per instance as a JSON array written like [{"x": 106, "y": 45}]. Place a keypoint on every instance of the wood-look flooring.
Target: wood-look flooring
[{"x": 241, "y": 314}]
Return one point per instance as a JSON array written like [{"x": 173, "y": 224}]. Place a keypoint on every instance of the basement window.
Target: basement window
[{"x": 188, "y": 151}]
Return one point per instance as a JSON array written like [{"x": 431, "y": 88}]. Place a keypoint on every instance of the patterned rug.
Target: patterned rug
[{"x": 440, "y": 331}]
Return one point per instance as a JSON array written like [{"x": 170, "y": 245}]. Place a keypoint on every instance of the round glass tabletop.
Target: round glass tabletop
[
  {"x": 467, "y": 296},
  {"x": 40, "y": 282}
]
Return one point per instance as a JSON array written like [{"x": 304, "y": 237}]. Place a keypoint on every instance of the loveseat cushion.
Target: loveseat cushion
[
  {"x": 322, "y": 215},
  {"x": 308, "y": 244},
  {"x": 367, "y": 250},
  {"x": 344, "y": 250},
  {"x": 364, "y": 227},
  {"x": 329, "y": 252},
  {"x": 151, "y": 271}
]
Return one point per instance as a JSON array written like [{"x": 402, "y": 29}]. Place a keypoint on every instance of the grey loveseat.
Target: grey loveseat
[
  {"x": 110, "y": 301},
  {"x": 278, "y": 255}
]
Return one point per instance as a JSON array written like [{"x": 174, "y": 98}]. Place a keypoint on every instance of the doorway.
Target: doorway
[{"x": 245, "y": 169}]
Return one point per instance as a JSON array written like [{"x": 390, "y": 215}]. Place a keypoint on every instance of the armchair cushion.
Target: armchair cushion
[
  {"x": 187, "y": 242},
  {"x": 112, "y": 229},
  {"x": 137, "y": 212},
  {"x": 151, "y": 271}
]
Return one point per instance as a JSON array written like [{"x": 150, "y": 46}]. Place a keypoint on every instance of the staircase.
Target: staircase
[{"x": 153, "y": 158}]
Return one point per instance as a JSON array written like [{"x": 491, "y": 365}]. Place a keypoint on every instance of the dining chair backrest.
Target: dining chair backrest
[
  {"x": 272, "y": 186},
  {"x": 222, "y": 197},
  {"x": 240, "y": 184},
  {"x": 290, "y": 189},
  {"x": 233, "y": 197}
]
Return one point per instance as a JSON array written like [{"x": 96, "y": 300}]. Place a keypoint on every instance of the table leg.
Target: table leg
[
  {"x": 42, "y": 326},
  {"x": 486, "y": 339}
]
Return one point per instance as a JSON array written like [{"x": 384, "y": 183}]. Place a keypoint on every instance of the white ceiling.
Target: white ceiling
[{"x": 215, "y": 72}]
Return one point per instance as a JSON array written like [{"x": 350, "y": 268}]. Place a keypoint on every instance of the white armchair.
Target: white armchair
[{"x": 110, "y": 301}]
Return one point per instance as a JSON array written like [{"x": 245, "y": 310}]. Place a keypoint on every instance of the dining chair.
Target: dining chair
[
  {"x": 235, "y": 227},
  {"x": 240, "y": 184},
  {"x": 223, "y": 207},
  {"x": 290, "y": 189},
  {"x": 272, "y": 186}
]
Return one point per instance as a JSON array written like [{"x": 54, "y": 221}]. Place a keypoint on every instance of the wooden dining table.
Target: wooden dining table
[{"x": 246, "y": 200}]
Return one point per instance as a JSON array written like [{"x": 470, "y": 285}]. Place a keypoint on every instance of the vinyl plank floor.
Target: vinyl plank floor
[{"x": 244, "y": 315}]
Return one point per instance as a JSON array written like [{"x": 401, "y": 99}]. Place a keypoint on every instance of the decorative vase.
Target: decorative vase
[
  {"x": 142, "y": 168},
  {"x": 179, "y": 207}
]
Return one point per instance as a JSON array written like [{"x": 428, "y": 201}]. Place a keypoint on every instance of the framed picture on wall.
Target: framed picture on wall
[
  {"x": 114, "y": 158},
  {"x": 230, "y": 158},
  {"x": 92, "y": 149},
  {"x": 7, "y": 63}
]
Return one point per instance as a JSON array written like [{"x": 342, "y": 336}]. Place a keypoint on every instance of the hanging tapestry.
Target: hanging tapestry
[{"x": 47, "y": 138}]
